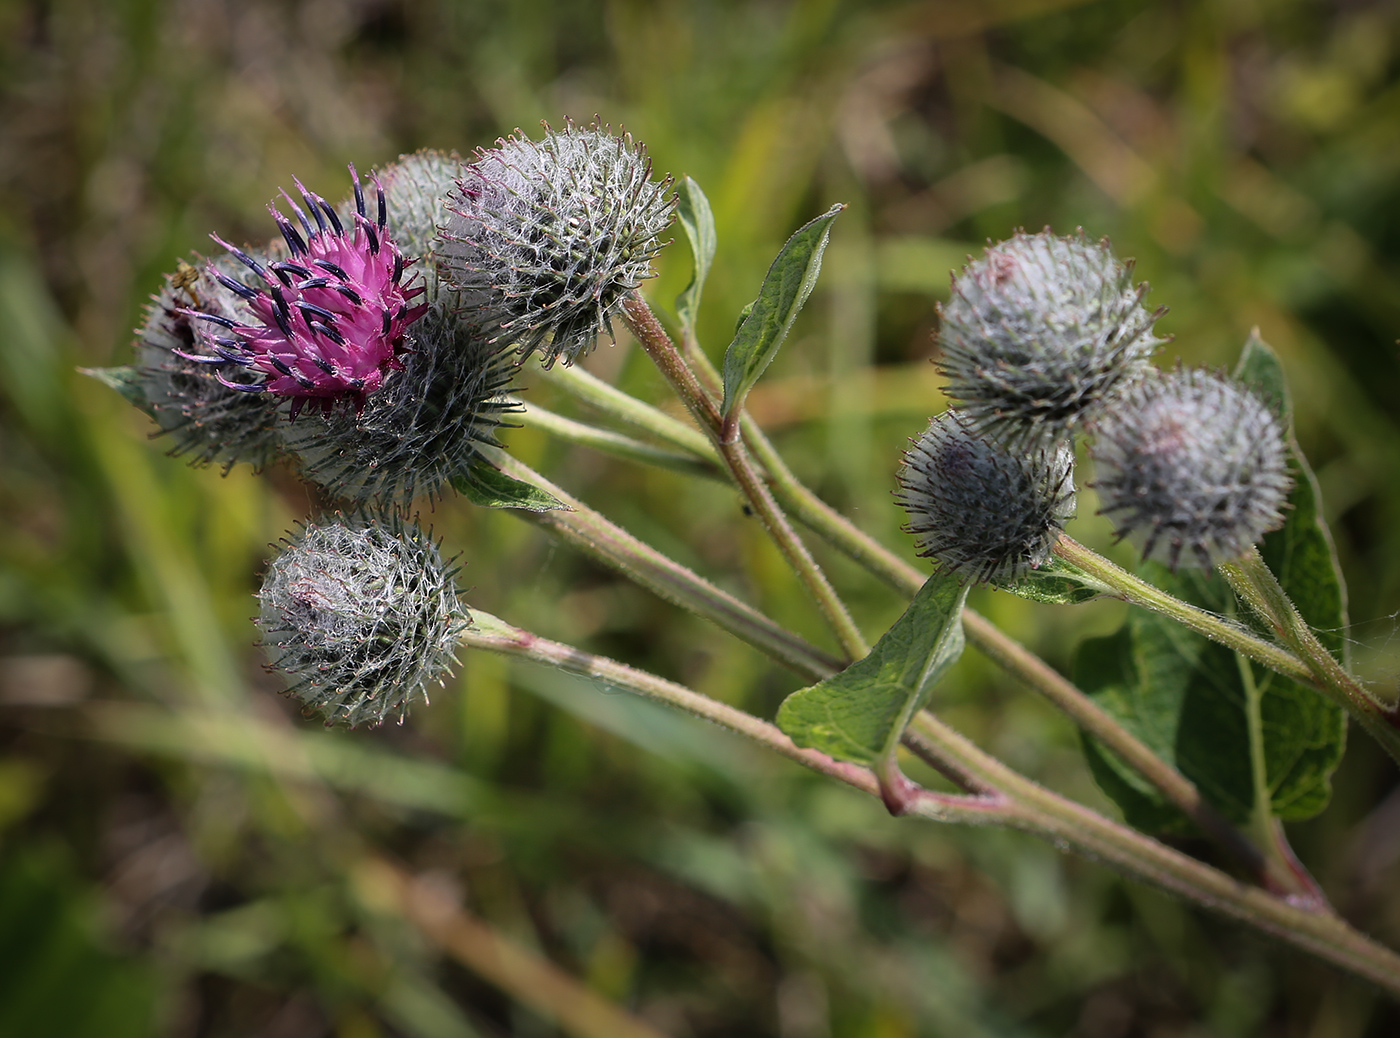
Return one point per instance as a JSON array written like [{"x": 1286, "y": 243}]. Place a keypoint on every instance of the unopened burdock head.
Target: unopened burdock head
[
  {"x": 1192, "y": 468},
  {"x": 979, "y": 509},
  {"x": 1040, "y": 334},
  {"x": 361, "y": 615},
  {"x": 547, "y": 237}
]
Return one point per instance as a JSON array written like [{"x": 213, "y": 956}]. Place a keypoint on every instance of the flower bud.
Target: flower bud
[
  {"x": 978, "y": 508},
  {"x": 1039, "y": 333},
  {"x": 360, "y": 614},
  {"x": 191, "y": 400},
  {"x": 1191, "y": 467},
  {"x": 550, "y": 236}
]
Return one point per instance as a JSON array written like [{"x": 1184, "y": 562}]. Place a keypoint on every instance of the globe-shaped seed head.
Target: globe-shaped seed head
[
  {"x": 1040, "y": 333},
  {"x": 208, "y": 421},
  {"x": 547, "y": 237},
  {"x": 979, "y": 509},
  {"x": 1192, "y": 468},
  {"x": 360, "y": 614}
]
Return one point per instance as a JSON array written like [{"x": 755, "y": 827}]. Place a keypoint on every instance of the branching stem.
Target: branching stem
[
  {"x": 702, "y": 406},
  {"x": 1228, "y": 633},
  {"x": 1256, "y": 584},
  {"x": 997, "y": 796},
  {"x": 1009, "y": 654},
  {"x": 604, "y": 540}
]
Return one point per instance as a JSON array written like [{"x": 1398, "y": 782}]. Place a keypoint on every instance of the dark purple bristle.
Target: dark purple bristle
[{"x": 359, "y": 192}]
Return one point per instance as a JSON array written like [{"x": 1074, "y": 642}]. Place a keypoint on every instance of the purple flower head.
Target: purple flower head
[{"x": 331, "y": 322}]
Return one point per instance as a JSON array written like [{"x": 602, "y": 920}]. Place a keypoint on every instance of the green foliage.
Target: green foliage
[
  {"x": 1209, "y": 712},
  {"x": 769, "y": 318},
  {"x": 125, "y": 381},
  {"x": 1244, "y": 154},
  {"x": 485, "y": 485},
  {"x": 859, "y": 714},
  {"x": 694, "y": 215},
  {"x": 1057, "y": 583}
]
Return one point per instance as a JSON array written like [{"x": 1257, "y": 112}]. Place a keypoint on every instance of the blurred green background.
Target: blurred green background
[{"x": 182, "y": 854}]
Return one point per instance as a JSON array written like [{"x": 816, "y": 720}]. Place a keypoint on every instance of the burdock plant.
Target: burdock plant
[
  {"x": 404, "y": 321},
  {"x": 1192, "y": 467}
]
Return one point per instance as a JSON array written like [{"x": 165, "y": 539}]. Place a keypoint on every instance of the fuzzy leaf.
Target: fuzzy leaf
[
  {"x": 693, "y": 212},
  {"x": 859, "y": 714},
  {"x": 485, "y": 485},
  {"x": 1057, "y": 583},
  {"x": 126, "y": 381},
  {"x": 1186, "y": 697},
  {"x": 785, "y": 289}
]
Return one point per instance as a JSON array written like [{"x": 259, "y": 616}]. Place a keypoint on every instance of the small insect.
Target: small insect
[{"x": 184, "y": 279}]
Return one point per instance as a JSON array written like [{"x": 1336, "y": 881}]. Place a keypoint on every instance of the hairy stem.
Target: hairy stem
[
  {"x": 1001, "y": 797},
  {"x": 491, "y": 633},
  {"x": 1010, "y": 655},
  {"x": 1256, "y": 584},
  {"x": 1228, "y": 633},
  {"x": 701, "y": 405},
  {"x": 1063, "y": 822},
  {"x": 534, "y": 416},
  {"x": 607, "y": 542},
  {"x": 611, "y": 401}
]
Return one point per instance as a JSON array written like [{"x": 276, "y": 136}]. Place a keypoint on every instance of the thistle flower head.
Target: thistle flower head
[
  {"x": 424, "y": 427},
  {"x": 329, "y": 322},
  {"x": 1191, "y": 467},
  {"x": 360, "y": 614},
  {"x": 978, "y": 508},
  {"x": 190, "y": 399},
  {"x": 1039, "y": 333},
  {"x": 550, "y": 236}
]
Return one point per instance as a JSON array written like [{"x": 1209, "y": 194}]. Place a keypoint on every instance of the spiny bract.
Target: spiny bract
[
  {"x": 425, "y": 425},
  {"x": 977, "y": 508},
  {"x": 328, "y": 323},
  {"x": 191, "y": 400},
  {"x": 550, "y": 236},
  {"x": 361, "y": 614},
  {"x": 1191, "y": 467},
  {"x": 1039, "y": 333}
]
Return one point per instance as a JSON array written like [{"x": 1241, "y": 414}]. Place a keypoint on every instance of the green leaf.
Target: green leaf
[
  {"x": 859, "y": 714},
  {"x": 1188, "y": 698},
  {"x": 484, "y": 484},
  {"x": 126, "y": 380},
  {"x": 693, "y": 211},
  {"x": 785, "y": 289},
  {"x": 1058, "y": 583},
  {"x": 744, "y": 312}
]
